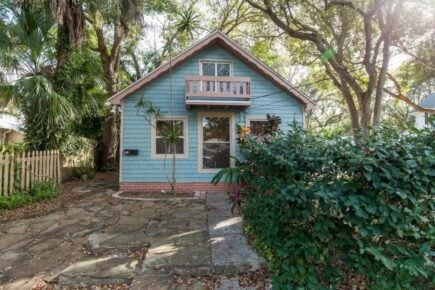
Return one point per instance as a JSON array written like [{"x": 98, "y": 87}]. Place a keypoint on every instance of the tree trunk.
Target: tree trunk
[
  {"x": 366, "y": 113},
  {"x": 111, "y": 67},
  {"x": 110, "y": 133},
  {"x": 387, "y": 30},
  {"x": 109, "y": 148},
  {"x": 62, "y": 47}
]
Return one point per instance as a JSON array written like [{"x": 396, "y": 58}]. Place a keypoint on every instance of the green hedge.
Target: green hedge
[{"x": 321, "y": 209}]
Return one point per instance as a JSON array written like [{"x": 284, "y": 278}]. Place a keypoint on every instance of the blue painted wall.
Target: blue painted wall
[{"x": 266, "y": 98}]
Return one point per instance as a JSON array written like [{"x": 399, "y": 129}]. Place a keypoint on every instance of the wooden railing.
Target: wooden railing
[
  {"x": 219, "y": 87},
  {"x": 20, "y": 171}
]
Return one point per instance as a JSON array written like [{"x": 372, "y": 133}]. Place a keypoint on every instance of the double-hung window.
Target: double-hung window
[
  {"x": 216, "y": 69},
  {"x": 161, "y": 137}
]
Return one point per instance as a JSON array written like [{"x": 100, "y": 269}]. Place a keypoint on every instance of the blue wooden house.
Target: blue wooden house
[{"x": 216, "y": 85}]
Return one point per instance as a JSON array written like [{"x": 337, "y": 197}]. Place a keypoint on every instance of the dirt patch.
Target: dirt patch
[
  {"x": 43, "y": 285},
  {"x": 158, "y": 195},
  {"x": 66, "y": 195}
]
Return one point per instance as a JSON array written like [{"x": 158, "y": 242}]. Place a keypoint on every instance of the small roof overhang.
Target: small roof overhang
[{"x": 10, "y": 122}]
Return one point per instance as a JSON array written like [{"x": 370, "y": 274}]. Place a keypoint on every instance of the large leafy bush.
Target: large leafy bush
[{"x": 322, "y": 210}]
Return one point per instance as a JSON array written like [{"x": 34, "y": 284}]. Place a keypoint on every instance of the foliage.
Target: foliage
[
  {"x": 12, "y": 148},
  {"x": 54, "y": 99},
  {"x": 322, "y": 208},
  {"x": 229, "y": 175},
  {"x": 188, "y": 22},
  {"x": 43, "y": 190},
  {"x": 40, "y": 191},
  {"x": 75, "y": 145},
  {"x": 273, "y": 123},
  {"x": 14, "y": 201},
  {"x": 147, "y": 110},
  {"x": 352, "y": 42},
  {"x": 78, "y": 152}
]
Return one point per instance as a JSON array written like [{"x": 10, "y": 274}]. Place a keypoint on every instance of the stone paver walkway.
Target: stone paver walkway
[
  {"x": 230, "y": 252},
  {"x": 101, "y": 240}
]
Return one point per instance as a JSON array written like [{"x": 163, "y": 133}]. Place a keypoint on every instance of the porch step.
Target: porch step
[{"x": 230, "y": 252}]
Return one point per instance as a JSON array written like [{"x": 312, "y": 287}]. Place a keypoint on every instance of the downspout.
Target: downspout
[{"x": 4, "y": 135}]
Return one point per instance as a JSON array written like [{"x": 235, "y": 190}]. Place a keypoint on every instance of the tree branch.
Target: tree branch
[
  {"x": 419, "y": 59},
  {"x": 400, "y": 96},
  {"x": 350, "y": 4}
]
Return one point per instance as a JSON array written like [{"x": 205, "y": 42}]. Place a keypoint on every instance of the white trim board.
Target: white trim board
[
  {"x": 121, "y": 142},
  {"x": 231, "y": 115},
  {"x": 249, "y": 118}
]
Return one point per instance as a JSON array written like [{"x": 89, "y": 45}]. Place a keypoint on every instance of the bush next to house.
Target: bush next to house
[{"x": 324, "y": 209}]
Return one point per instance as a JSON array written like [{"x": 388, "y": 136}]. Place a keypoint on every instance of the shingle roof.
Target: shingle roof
[{"x": 428, "y": 102}]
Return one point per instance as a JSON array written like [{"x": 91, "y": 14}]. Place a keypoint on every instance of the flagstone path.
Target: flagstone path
[{"x": 102, "y": 240}]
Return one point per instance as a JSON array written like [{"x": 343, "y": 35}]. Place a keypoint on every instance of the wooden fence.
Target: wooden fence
[{"x": 20, "y": 171}]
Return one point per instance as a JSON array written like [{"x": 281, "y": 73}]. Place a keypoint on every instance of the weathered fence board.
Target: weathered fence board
[{"x": 21, "y": 171}]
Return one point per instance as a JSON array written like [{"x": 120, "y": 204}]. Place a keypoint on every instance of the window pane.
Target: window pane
[
  {"x": 208, "y": 69},
  {"x": 257, "y": 127},
  {"x": 162, "y": 149},
  {"x": 223, "y": 69},
  {"x": 165, "y": 127},
  {"x": 216, "y": 155},
  {"x": 216, "y": 129}
]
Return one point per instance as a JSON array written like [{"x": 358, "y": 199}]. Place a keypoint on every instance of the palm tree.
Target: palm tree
[{"x": 37, "y": 89}]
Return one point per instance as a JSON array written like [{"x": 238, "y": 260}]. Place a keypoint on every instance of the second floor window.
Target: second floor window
[{"x": 216, "y": 68}]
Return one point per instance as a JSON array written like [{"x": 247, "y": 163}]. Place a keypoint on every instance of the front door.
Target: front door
[{"x": 216, "y": 141}]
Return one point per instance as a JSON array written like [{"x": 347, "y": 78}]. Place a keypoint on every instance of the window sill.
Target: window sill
[{"x": 169, "y": 156}]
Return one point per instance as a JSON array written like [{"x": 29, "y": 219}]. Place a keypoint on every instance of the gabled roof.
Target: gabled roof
[
  {"x": 228, "y": 44},
  {"x": 428, "y": 102}
]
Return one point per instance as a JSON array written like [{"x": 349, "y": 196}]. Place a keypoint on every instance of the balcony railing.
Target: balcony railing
[{"x": 218, "y": 91}]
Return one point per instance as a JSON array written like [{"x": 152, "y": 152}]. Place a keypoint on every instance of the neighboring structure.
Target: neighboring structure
[
  {"x": 216, "y": 86},
  {"x": 421, "y": 118},
  {"x": 10, "y": 129}
]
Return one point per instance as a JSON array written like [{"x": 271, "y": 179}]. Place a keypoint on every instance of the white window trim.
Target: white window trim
[
  {"x": 200, "y": 139},
  {"x": 250, "y": 118},
  {"x": 215, "y": 67},
  {"x": 185, "y": 120}
]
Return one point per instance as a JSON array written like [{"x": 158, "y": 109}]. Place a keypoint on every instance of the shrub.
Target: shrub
[
  {"x": 40, "y": 191},
  {"x": 12, "y": 148},
  {"x": 44, "y": 190},
  {"x": 323, "y": 209},
  {"x": 15, "y": 200}
]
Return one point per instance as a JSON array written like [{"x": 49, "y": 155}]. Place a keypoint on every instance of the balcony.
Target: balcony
[{"x": 211, "y": 91}]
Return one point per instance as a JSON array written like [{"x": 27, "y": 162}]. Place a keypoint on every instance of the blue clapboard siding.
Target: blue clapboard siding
[{"x": 266, "y": 98}]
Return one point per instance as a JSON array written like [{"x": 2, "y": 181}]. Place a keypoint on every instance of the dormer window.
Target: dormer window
[{"x": 216, "y": 68}]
